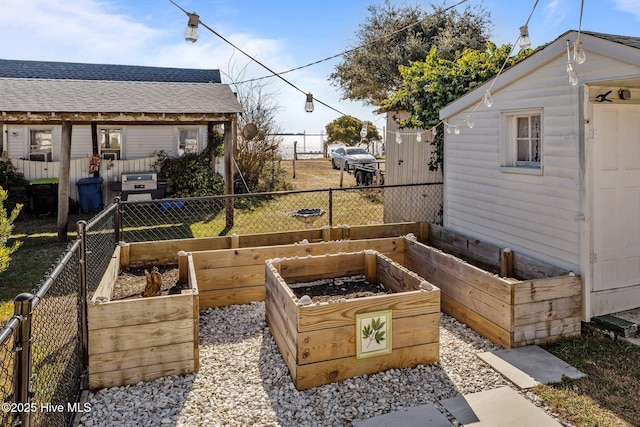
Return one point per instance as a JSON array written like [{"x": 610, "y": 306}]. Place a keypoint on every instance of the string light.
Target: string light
[
  {"x": 398, "y": 138},
  {"x": 525, "y": 41},
  {"x": 419, "y": 137},
  {"x": 488, "y": 99}
]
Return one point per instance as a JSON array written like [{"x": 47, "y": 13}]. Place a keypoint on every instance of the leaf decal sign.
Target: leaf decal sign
[{"x": 373, "y": 333}]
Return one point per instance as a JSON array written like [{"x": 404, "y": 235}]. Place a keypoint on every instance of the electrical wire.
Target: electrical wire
[{"x": 384, "y": 36}]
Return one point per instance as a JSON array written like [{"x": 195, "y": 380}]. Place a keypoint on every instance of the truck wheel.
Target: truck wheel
[
  {"x": 333, "y": 164},
  {"x": 359, "y": 178}
]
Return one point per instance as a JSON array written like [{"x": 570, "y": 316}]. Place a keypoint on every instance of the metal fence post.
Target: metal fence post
[
  {"x": 330, "y": 207},
  {"x": 22, "y": 307},
  {"x": 117, "y": 221},
  {"x": 83, "y": 326}
]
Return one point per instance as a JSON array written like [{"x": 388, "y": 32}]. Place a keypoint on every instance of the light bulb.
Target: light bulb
[
  {"x": 573, "y": 78},
  {"x": 191, "y": 33},
  {"x": 419, "y": 137},
  {"x": 569, "y": 68},
  {"x": 525, "y": 41},
  {"x": 456, "y": 130},
  {"x": 398, "y": 138},
  {"x": 488, "y": 99},
  {"x": 448, "y": 129},
  {"x": 434, "y": 131},
  {"x": 470, "y": 124},
  {"x": 579, "y": 56},
  {"x": 308, "y": 106}
]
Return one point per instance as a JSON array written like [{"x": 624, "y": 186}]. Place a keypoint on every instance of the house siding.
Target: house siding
[{"x": 535, "y": 214}]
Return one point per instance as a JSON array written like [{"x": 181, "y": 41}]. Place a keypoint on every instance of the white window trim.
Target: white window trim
[
  {"x": 52, "y": 156},
  {"x": 508, "y": 146},
  {"x": 176, "y": 137},
  {"x": 122, "y": 141}
]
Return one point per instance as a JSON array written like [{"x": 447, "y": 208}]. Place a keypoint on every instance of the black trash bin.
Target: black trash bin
[
  {"x": 90, "y": 194},
  {"x": 44, "y": 196}
]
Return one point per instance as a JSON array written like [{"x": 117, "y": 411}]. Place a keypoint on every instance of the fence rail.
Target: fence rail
[{"x": 44, "y": 346}]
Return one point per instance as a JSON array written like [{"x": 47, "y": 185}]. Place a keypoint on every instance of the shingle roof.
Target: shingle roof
[
  {"x": 624, "y": 40},
  {"x": 90, "y": 96},
  {"x": 108, "y": 72}
]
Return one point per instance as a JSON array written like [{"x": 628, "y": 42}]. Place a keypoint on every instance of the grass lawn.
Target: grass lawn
[{"x": 607, "y": 396}]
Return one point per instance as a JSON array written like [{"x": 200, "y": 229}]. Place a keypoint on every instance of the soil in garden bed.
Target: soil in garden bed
[
  {"x": 336, "y": 289},
  {"x": 131, "y": 283}
]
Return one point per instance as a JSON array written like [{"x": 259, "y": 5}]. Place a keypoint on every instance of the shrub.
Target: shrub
[
  {"x": 15, "y": 184},
  {"x": 6, "y": 226},
  {"x": 190, "y": 175}
]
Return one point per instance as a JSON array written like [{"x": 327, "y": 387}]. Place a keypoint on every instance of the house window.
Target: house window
[
  {"x": 522, "y": 141},
  {"x": 111, "y": 143},
  {"x": 187, "y": 141},
  {"x": 40, "y": 145}
]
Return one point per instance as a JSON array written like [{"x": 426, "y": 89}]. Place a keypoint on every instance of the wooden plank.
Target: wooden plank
[
  {"x": 322, "y": 267},
  {"x": 492, "y": 309},
  {"x": 535, "y": 312},
  {"x": 104, "y": 291},
  {"x": 258, "y": 255},
  {"x": 424, "y": 259},
  {"x": 478, "y": 323},
  {"x": 230, "y": 277},
  {"x": 324, "y": 315},
  {"x": 547, "y": 289},
  {"x": 166, "y": 251},
  {"x": 526, "y": 268},
  {"x": 138, "y": 311},
  {"x": 396, "y": 277},
  {"x": 135, "y": 375},
  {"x": 156, "y": 355},
  {"x": 546, "y": 332},
  {"x": 483, "y": 255},
  {"x": 140, "y": 336},
  {"x": 383, "y": 230},
  {"x": 284, "y": 334},
  {"x": 225, "y": 297},
  {"x": 316, "y": 374},
  {"x": 280, "y": 238},
  {"x": 336, "y": 343}
]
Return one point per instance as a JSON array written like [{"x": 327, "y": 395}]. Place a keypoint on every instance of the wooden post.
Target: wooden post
[
  {"x": 64, "y": 181},
  {"x": 506, "y": 262},
  {"x": 424, "y": 233},
  {"x": 370, "y": 266},
  {"x": 346, "y": 232},
  {"x": 125, "y": 255},
  {"x": 235, "y": 241},
  {"x": 326, "y": 233},
  {"x": 295, "y": 157},
  {"x": 341, "y": 173},
  {"x": 229, "y": 150},
  {"x": 183, "y": 267},
  {"x": 94, "y": 143}
]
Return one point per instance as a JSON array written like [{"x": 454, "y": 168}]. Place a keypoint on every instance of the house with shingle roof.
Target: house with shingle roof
[
  {"x": 121, "y": 113},
  {"x": 552, "y": 169}
]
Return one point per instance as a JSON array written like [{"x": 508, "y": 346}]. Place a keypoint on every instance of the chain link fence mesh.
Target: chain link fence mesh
[
  {"x": 56, "y": 343},
  {"x": 7, "y": 360},
  {"x": 100, "y": 243},
  {"x": 272, "y": 212}
]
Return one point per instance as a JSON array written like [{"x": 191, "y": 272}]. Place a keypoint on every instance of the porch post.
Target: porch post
[
  {"x": 229, "y": 151},
  {"x": 63, "y": 180}
]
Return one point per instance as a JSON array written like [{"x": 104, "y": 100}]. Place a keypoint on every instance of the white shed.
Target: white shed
[{"x": 553, "y": 169}]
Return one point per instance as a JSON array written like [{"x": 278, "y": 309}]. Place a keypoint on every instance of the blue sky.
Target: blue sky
[{"x": 282, "y": 34}]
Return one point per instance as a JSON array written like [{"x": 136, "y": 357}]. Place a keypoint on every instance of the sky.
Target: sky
[{"x": 282, "y": 34}]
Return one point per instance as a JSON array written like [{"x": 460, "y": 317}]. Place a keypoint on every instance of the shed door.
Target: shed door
[{"x": 616, "y": 197}]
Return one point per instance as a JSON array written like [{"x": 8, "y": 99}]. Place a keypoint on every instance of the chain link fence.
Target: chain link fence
[
  {"x": 273, "y": 212},
  {"x": 7, "y": 363}
]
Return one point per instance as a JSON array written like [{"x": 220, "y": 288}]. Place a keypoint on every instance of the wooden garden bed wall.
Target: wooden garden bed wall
[
  {"x": 144, "y": 338},
  {"x": 165, "y": 252},
  {"x": 318, "y": 341},
  {"x": 509, "y": 312},
  {"x": 237, "y": 276}
]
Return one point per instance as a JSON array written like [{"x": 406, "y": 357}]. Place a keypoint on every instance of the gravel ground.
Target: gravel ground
[{"x": 243, "y": 381}]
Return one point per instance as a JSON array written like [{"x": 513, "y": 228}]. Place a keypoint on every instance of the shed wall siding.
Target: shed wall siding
[
  {"x": 142, "y": 141},
  {"x": 535, "y": 214}
]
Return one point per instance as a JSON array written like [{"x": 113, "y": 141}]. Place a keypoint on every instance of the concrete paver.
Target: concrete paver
[{"x": 418, "y": 416}]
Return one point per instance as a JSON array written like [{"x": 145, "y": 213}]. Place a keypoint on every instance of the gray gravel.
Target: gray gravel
[{"x": 243, "y": 381}]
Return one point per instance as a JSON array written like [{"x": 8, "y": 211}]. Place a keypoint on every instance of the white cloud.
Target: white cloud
[
  {"x": 556, "y": 11},
  {"x": 628, "y": 6}
]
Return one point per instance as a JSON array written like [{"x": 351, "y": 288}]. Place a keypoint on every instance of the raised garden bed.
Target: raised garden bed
[
  {"x": 324, "y": 342},
  {"x": 134, "y": 339}
]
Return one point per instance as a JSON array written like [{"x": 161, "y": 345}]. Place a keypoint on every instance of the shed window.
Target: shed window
[
  {"x": 187, "y": 141},
  {"x": 521, "y": 137},
  {"x": 40, "y": 144},
  {"x": 111, "y": 143}
]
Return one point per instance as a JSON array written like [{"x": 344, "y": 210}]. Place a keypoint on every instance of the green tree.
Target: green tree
[
  {"x": 370, "y": 73},
  {"x": 6, "y": 226},
  {"x": 431, "y": 84},
  {"x": 346, "y": 130}
]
